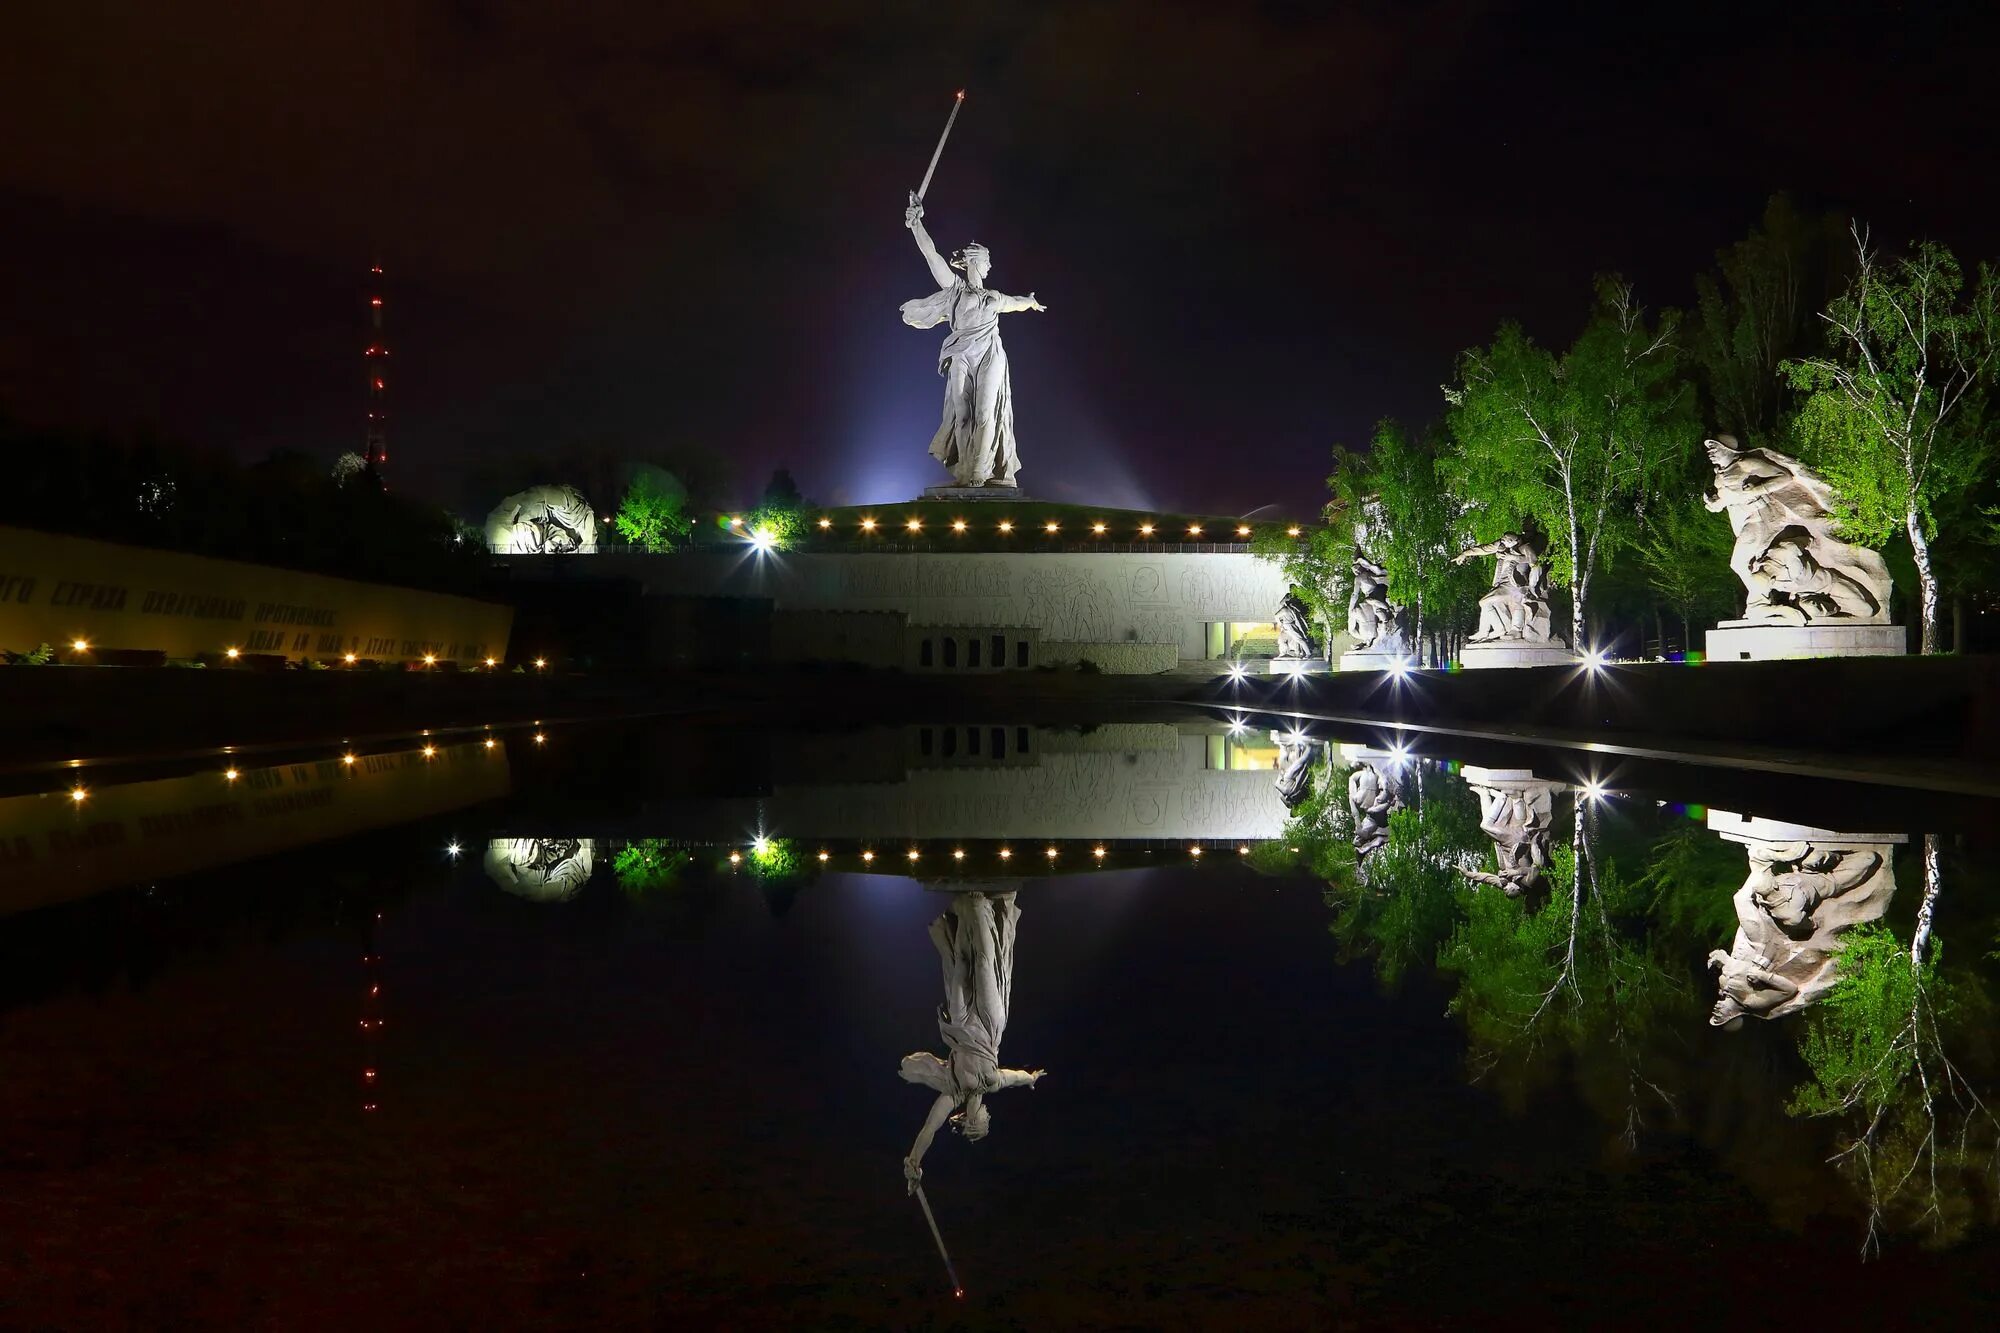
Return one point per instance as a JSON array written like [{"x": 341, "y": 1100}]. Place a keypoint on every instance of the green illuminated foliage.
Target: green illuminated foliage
[
  {"x": 648, "y": 865},
  {"x": 654, "y": 514}
]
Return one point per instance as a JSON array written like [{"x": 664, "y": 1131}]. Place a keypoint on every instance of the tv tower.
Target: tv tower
[{"x": 375, "y": 449}]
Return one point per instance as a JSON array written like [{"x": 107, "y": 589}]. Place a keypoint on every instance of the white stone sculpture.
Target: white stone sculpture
[
  {"x": 544, "y": 869},
  {"x": 1517, "y": 811},
  {"x": 1797, "y": 575},
  {"x": 1294, "y": 620},
  {"x": 1807, "y": 887},
  {"x": 1516, "y": 627},
  {"x": 975, "y": 941},
  {"x": 976, "y": 438},
  {"x": 1375, "y": 623},
  {"x": 542, "y": 520}
]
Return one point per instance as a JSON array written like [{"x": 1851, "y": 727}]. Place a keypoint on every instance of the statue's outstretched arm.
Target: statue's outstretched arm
[
  {"x": 1007, "y": 305},
  {"x": 1019, "y": 1078},
  {"x": 913, "y": 1165},
  {"x": 913, "y": 218}
]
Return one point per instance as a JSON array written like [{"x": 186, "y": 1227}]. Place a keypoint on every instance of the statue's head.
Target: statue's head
[
  {"x": 975, "y": 1121},
  {"x": 1722, "y": 450},
  {"x": 975, "y": 261}
]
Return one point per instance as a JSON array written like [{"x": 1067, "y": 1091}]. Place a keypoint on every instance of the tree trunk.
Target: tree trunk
[
  {"x": 1927, "y": 909},
  {"x": 1687, "y": 633},
  {"x": 1926, "y": 579},
  {"x": 1578, "y": 592}
]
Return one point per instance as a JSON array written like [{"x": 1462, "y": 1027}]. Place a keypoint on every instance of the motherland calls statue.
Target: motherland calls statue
[
  {"x": 1802, "y": 895},
  {"x": 1375, "y": 623},
  {"x": 547, "y": 870},
  {"x": 976, "y": 438},
  {"x": 975, "y": 940},
  {"x": 1516, "y": 608},
  {"x": 1795, "y": 571},
  {"x": 1294, "y": 619},
  {"x": 1517, "y": 811}
]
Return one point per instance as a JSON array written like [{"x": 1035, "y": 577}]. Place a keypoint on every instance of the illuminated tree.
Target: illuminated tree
[
  {"x": 1897, "y": 413},
  {"x": 654, "y": 513},
  {"x": 1575, "y": 444},
  {"x": 1413, "y": 527}
]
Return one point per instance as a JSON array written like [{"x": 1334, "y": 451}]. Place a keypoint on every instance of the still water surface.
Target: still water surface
[{"x": 609, "y": 1027}]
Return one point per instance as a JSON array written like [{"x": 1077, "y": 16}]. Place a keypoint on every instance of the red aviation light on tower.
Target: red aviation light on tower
[{"x": 375, "y": 448}]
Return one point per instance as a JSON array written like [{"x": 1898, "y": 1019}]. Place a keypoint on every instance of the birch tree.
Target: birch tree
[
  {"x": 1576, "y": 443},
  {"x": 1897, "y": 419}
]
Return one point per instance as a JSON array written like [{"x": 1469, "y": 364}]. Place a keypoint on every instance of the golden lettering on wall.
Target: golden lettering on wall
[{"x": 56, "y": 590}]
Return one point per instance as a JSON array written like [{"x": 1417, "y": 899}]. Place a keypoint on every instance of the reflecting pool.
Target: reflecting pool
[{"x": 1151, "y": 1024}]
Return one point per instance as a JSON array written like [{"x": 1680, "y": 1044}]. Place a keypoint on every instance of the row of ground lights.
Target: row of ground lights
[
  {"x": 234, "y": 653},
  {"x": 958, "y": 856},
  {"x": 1052, "y": 527},
  {"x": 79, "y": 793}
]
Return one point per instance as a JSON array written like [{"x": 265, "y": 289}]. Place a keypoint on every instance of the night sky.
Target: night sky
[{"x": 1258, "y": 228}]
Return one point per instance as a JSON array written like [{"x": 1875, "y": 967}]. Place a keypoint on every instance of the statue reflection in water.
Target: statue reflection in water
[
  {"x": 1806, "y": 889},
  {"x": 1517, "y": 811},
  {"x": 975, "y": 941}
]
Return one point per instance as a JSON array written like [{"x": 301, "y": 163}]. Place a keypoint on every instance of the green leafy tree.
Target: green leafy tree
[
  {"x": 654, "y": 514},
  {"x": 1576, "y": 444},
  {"x": 1897, "y": 412},
  {"x": 1753, "y": 313},
  {"x": 647, "y": 865},
  {"x": 1412, "y": 530},
  {"x": 776, "y": 524},
  {"x": 1685, "y": 553}
]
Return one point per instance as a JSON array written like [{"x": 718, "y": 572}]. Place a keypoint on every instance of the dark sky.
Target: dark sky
[{"x": 1258, "y": 228}]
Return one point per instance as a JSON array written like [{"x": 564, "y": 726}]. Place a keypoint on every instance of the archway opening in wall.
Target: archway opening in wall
[
  {"x": 951, "y": 652},
  {"x": 972, "y": 652},
  {"x": 1239, "y": 639}
]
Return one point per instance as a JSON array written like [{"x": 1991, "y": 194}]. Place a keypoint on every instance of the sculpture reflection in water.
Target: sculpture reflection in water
[
  {"x": 1296, "y": 752},
  {"x": 543, "y": 869},
  {"x": 1807, "y": 888},
  {"x": 1374, "y": 792},
  {"x": 975, "y": 942},
  {"x": 1517, "y": 811}
]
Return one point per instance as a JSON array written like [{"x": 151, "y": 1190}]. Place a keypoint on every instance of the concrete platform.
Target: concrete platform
[
  {"x": 1475, "y": 656},
  {"x": 1373, "y": 661},
  {"x": 1299, "y": 666},
  {"x": 975, "y": 494},
  {"x": 1750, "y": 641}
]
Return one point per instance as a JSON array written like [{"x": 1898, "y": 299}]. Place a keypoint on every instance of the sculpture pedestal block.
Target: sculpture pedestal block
[
  {"x": 1750, "y": 641},
  {"x": 1373, "y": 661},
  {"x": 974, "y": 494},
  {"x": 1513, "y": 653},
  {"x": 1298, "y": 666}
]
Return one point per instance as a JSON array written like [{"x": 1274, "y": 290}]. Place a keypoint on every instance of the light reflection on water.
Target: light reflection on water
[{"x": 1771, "y": 995}]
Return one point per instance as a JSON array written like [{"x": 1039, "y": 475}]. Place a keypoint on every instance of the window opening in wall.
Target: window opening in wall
[
  {"x": 924, "y": 742},
  {"x": 1021, "y": 654},
  {"x": 999, "y": 742},
  {"x": 950, "y": 741},
  {"x": 972, "y": 738},
  {"x": 972, "y": 652},
  {"x": 999, "y": 650},
  {"x": 1020, "y": 740},
  {"x": 924, "y": 653},
  {"x": 951, "y": 652}
]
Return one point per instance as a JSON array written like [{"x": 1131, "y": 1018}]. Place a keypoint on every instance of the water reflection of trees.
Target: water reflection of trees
[
  {"x": 1882, "y": 1050},
  {"x": 1596, "y": 978}
]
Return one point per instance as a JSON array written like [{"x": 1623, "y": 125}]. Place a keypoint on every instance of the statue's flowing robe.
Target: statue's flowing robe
[
  {"x": 976, "y": 438},
  {"x": 975, "y": 942}
]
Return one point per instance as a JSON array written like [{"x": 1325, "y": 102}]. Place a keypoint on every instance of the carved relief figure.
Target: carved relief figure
[
  {"x": 1518, "y": 814},
  {"x": 976, "y": 438},
  {"x": 545, "y": 869},
  {"x": 1516, "y": 607},
  {"x": 543, "y": 520},
  {"x": 1800, "y": 898},
  {"x": 975, "y": 941},
  {"x": 1294, "y": 629},
  {"x": 1794, "y": 570},
  {"x": 1376, "y": 624},
  {"x": 1069, "y": 606}
]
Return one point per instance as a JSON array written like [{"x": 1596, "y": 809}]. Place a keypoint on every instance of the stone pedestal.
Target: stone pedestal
[
  {"x": 1373, "y": 661},
  {"x": 974, "y": 494},
  {"x": 1298, "y": 666},
  {"x": 1514, "y": 653},
  {"x": 1751, "y": 641}
]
